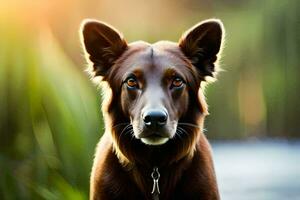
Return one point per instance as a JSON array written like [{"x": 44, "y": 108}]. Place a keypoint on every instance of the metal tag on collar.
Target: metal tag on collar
[{"x": 155, "y": 176}]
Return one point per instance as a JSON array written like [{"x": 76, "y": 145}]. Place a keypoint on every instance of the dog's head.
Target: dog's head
[{"x": 155, "y": 87}]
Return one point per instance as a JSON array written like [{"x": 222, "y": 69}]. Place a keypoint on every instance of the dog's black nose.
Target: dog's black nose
[{"x": 155, "y": 118}]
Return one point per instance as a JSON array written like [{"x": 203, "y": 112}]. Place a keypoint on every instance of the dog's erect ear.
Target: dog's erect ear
[
  {"x": 103, "y": 45},
  {"x": 201, "y": 45}
]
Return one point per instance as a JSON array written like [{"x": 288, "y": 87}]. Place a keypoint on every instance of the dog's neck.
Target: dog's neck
[
  {"x": 140, "y": 161},
  {"x": 169, "y": 176}
]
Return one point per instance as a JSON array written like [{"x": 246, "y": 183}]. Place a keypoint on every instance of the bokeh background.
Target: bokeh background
[{"x": 50, "y": 118}]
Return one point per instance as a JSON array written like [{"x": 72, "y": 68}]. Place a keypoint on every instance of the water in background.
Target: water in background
[{"x": 252, "y": 170}]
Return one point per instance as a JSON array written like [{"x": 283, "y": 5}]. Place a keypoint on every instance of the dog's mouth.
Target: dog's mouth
[
  {"x": 153, "y": 137},
  {"x": 154, "y": 140}
]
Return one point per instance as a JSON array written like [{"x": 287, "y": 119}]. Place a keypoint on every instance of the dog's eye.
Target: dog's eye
[
  {"x": 131, "y": 82},
  {"x": 177, "y": 82}
]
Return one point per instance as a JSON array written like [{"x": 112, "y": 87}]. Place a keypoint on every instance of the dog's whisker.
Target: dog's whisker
[
  {"x": 120, "y": 124},
  {"x": 124, "y": 129},
  {"x": 132, "y": 134},
  {"x": 189, "y": 124},
  {"x": 182, "y": 131},
  {"x": 186, "y": 128},
  {"x": 178, "y": 134}
]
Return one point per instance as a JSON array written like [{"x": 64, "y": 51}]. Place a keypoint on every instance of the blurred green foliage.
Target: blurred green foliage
[
  {"x": 50, "y": 118},
  {"x": 257, "y": 95}
]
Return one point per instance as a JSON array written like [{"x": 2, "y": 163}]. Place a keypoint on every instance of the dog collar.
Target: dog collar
[{"x": 155, "y": 189}]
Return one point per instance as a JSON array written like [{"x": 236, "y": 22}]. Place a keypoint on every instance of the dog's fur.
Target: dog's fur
[{"x": 140, "y": 76}]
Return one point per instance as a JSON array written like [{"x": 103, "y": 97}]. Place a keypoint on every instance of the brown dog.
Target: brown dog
[{"x": 154, "y": 109}]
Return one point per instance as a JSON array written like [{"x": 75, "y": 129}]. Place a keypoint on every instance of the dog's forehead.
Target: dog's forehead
[{"x": 156, "y": 57}]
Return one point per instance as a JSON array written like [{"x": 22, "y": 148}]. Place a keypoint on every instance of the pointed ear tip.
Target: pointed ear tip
[
  {"x": 214, "y": 21},
  {"x": 89, "y": 23}
]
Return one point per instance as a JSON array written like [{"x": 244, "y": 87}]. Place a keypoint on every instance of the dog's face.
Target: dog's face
[
  {"x": 154, "y": 83},
  {"x": 154, "y": 93}
]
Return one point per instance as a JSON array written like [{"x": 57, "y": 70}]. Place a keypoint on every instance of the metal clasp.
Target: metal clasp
[{"x": 155, "y": 176}]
